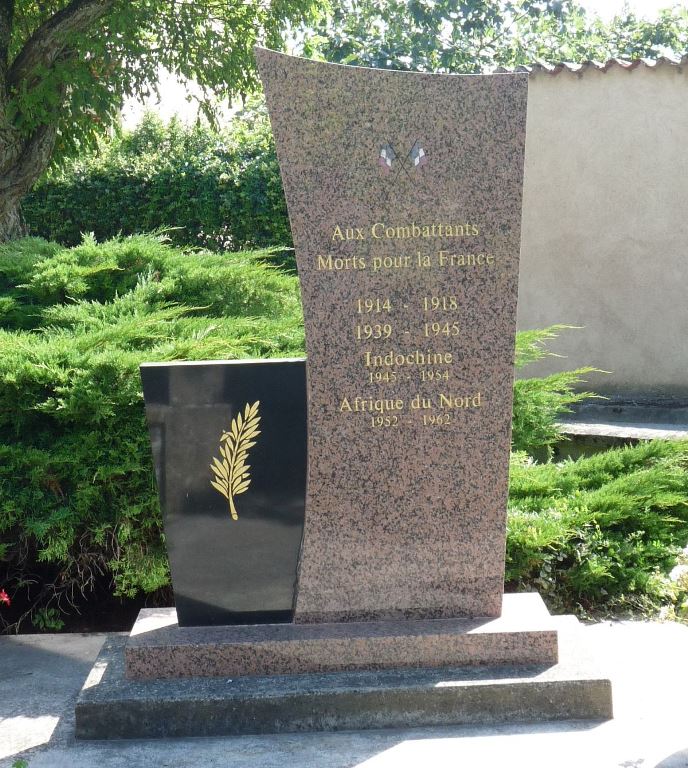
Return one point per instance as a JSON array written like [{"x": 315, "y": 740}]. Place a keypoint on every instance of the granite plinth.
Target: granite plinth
[
  {"x": 110, "y": 706},
  {"x": 159, "y": 648},
  {"x": 404, "y": 198}
]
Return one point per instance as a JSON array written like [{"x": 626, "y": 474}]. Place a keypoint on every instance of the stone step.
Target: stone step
[
  {"x": 110, "y": 706},
  {"x": 158, "y": 648}
]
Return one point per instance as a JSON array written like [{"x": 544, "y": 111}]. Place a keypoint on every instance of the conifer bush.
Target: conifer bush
[
  {"x": 78, "y": 503},
  {"x": 538, "y": 403},
  {"x": 600, "y": 534}
]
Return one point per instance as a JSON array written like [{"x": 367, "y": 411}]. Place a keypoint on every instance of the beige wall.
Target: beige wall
[{"x": 605, "y": 225}]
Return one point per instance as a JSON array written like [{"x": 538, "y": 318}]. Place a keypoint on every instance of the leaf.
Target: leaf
[
  {"x": 220, "y": 488},
  {"x": 241, "y": 488},
  {"x": 221, "y": 467},
  {"x": 232, "y": 476}
]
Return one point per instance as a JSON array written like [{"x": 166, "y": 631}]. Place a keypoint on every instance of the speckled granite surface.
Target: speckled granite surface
[
  {"x": 404, "y": 196},
  {"x": 159, "y": 648},
  {"x": 110, "y": 706}
]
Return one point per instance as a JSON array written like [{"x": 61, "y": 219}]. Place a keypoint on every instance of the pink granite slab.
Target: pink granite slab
[
  {"x": 406, "y": 519},
  {"x": 159, "y": 648}
]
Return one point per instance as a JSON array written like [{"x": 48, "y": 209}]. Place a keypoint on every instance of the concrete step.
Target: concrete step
[{"x": 110, "y": 706}]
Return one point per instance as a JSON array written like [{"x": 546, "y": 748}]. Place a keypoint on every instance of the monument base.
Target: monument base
[
  {"x": 158, "y": 648},
  {"x": 429, "y": 691}
]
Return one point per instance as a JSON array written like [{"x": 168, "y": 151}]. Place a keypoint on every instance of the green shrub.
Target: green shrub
[
  {"x": 221, "y": 190},
  {"x": 538, "y": 403},
  {"x": 77, "y": 496},
  {"x": 601, "y": 533},
  {"x": 78, "y": 504}
]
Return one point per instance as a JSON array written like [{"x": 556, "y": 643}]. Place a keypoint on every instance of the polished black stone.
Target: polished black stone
[{"x": 227, "y": 571}]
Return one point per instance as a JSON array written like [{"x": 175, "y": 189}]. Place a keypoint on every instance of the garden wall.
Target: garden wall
[{"x": 605, "y": 224}]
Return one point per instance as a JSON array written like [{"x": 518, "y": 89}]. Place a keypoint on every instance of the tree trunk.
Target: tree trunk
[
  {"x": 12, "y": 224},
  {"x": 24, "y": 158},
  {"x": 21, "y": 164}
]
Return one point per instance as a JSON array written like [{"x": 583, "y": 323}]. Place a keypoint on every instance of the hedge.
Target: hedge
[{"x": 221, "y": 190}]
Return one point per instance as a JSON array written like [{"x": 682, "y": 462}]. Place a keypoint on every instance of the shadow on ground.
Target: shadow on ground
[{"x": 677, "y": 760}]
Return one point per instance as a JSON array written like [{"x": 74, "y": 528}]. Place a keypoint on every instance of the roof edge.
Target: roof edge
[{"x": 542, "y": 67}]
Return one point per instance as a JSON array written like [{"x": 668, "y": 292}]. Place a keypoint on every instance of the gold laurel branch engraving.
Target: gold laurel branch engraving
[{"x": 231, "y": 472}]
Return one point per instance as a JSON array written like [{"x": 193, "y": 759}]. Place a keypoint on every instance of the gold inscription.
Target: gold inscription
[
  {"x": 382, "y": 377},
  {"x": 384, "y": 421},
  {"x": 383, "y": 231},
  {"x": 434, "y": 374},
  {"x": 445, "y": 259},
  {"x": 374, "y": 331},
  {"x": 367, "y": 405},
  {"x": 461, "y": 401},
  {"x": 436, "y": 419},
  {"x": 347, "y": 233},
  {"x": 386, "y": 320},
  {"x": 380, "y": 230},
  {"x": 441, "y": 329},
  {"x": 391, "y": 262},
  {"x": 338, "y": 263},
  {"x": 376, "y": 305},
  {"x": 422, "y": 260},
  {"x": 440, "y": 303},
  {"x": 416, "y": 357}
]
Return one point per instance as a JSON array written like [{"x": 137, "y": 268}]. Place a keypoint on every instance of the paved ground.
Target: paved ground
[{"x": 40, "y": 676}]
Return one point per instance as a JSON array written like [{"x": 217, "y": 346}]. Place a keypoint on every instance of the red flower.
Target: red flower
[{"x": 4, "y": 597}]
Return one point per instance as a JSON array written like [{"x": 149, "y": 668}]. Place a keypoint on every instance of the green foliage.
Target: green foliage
[
  {"x": 48, "y": 620},
  {"x": 78, "y": 504},
  {"x": 77, "y": 495},
  {"x": 445, "y": 36},
  {"x": 540, "y": 402},
  {"x": 601, "y": 533},
  {"x": 221, "y": 190},
  {"x": 71, "y": 64}
]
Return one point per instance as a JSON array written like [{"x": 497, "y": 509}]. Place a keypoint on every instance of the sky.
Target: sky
[{"x": 174, "y": 94}]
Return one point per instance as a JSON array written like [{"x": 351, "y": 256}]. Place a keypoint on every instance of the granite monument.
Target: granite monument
[{"x": 404, "y": 197}]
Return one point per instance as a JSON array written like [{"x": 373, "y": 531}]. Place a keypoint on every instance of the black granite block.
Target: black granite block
[{"x": 233, "y": 554}]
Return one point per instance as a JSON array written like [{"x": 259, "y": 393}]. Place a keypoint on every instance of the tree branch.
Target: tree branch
[
  {"x": 492, "y": 41},
  {"x": 52, "y": 37}
]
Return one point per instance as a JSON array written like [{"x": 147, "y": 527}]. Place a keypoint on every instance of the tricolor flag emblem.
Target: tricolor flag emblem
[
  {"x": 418, "y": 156},
  {"x": 396, "y": 165},
  {"x": 386, "y": 158}
]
